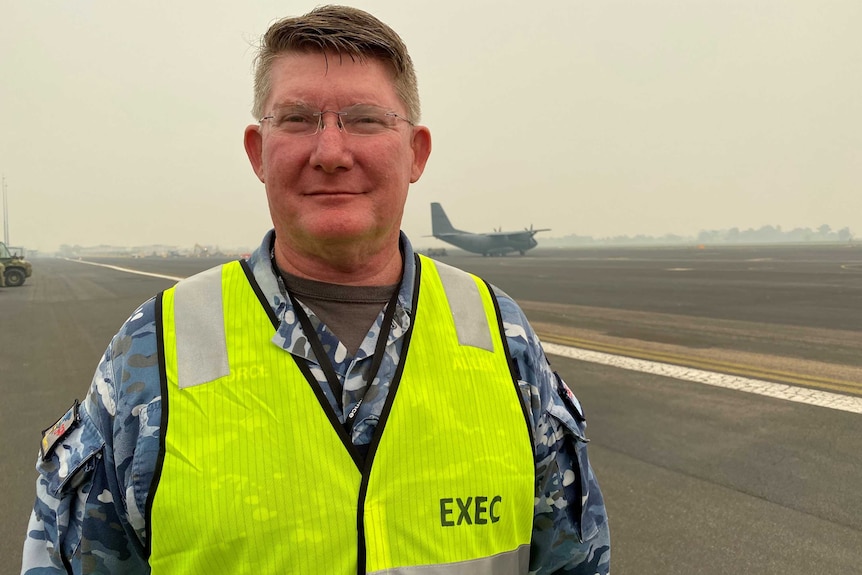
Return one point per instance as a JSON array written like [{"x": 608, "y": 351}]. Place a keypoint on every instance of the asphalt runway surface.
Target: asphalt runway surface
[{"x": 697, "y": 479}]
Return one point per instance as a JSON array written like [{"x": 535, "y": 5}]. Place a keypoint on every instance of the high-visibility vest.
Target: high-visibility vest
[{"x": 257, "y": 475}]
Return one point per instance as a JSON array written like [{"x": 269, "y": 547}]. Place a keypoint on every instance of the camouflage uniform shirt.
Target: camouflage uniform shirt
[{"x": 90, "y": 511}]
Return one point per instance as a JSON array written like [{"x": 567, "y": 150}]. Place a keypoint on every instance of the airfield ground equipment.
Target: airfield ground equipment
[{"x": 15, "y": 268}]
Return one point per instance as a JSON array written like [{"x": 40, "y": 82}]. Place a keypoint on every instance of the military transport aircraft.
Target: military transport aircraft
[{"x": 496, "y": 243}]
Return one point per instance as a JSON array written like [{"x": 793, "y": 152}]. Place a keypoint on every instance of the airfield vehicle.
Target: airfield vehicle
[{"x": 17, "y": 269}]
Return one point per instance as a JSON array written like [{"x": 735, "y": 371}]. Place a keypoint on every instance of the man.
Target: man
[{"x": 335, "y": 404}]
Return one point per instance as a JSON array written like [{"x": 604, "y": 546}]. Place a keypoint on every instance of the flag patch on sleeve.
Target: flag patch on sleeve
[{"x": 52, "y": 435}]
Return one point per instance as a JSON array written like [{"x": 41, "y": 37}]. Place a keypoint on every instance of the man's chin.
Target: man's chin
[{"x": 341, "y": 236}]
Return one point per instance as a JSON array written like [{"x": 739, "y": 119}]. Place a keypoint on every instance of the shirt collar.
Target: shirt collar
[{"x": 271, "y": 287}]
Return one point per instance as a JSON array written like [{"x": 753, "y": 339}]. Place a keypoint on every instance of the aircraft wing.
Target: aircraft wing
[{"x": 514, "y": 235}]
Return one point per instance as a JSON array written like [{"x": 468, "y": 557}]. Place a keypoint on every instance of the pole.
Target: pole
[{"x": 5, "y": 215}]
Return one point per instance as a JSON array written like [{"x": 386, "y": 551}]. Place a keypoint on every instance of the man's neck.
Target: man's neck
[{"x": 342, "y": 265}]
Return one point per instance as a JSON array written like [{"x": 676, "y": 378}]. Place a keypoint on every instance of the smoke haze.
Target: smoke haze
[{"x": 122, "y": 123}]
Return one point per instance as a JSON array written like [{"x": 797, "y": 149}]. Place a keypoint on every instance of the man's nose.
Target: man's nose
[{"x": 331, "y": 151}]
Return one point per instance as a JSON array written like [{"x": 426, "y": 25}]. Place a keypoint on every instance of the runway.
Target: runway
[{"x": 697, "y": 478}]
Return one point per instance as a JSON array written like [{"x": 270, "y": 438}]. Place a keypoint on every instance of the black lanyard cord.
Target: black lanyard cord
[
  {"x": 326, "y": 364},
  {"x": 317, "y": 346}
]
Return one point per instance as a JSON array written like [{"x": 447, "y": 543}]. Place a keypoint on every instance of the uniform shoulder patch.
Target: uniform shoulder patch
[
  {"x": 52, "y": 435},
  {"x": 569, "y": 398}
]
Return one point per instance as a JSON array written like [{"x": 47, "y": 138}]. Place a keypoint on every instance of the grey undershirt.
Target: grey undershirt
[{"x": 347, "y": 311}]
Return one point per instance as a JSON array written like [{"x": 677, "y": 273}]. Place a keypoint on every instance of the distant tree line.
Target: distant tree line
[
  {"x": 764, "y": 235},
  {"x": 774, "y": 234}
]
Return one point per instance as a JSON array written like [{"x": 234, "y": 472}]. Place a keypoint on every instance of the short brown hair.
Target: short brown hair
[{"x": 342, "y": 30}]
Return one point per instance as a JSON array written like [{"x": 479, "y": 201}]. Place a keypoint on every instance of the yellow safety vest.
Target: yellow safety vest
[{"x": 257, "y": 475}]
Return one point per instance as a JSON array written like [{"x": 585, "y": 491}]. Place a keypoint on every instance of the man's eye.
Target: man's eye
[
  {"x": 357, "y": 119},
  {"x": 295, "y": 118}
]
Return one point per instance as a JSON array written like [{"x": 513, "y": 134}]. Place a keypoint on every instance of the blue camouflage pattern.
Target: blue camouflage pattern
[{"x": 91, "y": 493}]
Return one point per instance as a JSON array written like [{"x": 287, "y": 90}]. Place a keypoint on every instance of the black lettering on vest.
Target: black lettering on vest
[
  {"x": 465, "y": 510},
  {"x": 480, "y": 510},
  {"x": 494, "y": 517},
  {"x": 471, "y": 510},
  {"x": 446, "y": 511}
]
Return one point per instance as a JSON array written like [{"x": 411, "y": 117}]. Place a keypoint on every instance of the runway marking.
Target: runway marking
[
  {"x": 712, "y": 365},
  {"x": 128, "y": 270},
  {"x": 766, "y": 388},
  {"x": 748, "y": 385}
]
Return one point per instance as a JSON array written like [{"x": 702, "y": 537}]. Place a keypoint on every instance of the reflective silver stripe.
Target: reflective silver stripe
[
  {"x": 468, "y": 312},
  {"x": 199, "y": 324},
  {"x": 515, "y": 562}
]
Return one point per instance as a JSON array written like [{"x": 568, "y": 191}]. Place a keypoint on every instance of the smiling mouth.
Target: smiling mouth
[{"x": 333, "y": 193}]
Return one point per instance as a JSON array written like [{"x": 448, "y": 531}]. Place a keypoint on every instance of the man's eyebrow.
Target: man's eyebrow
[{"x": 293, "y": 104}]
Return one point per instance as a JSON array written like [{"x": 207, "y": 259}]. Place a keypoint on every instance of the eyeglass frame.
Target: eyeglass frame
[{"x": 321, "y": 126}]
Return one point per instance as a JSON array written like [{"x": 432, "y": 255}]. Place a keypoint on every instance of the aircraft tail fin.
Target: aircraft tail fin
[{"x": 440, "y": 223}]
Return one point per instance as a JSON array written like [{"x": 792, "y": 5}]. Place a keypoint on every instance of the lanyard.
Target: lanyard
[
  {"x": 325, "y": 362},
  {"x": 321, "y": 355}
]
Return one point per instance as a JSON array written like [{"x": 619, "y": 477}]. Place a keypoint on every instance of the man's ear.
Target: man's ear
[
  {"x": 253, "y": 141},
  {"x": 421, "y": 145}
]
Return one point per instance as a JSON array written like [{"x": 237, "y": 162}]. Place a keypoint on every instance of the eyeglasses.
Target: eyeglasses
[{"x": 359, "y": 120}]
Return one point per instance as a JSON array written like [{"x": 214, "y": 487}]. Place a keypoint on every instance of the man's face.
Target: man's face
[{"x": 334, "y": 188}]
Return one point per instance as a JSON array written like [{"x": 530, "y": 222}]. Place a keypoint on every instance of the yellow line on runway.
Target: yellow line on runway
[{"x": 792, "y": 378}]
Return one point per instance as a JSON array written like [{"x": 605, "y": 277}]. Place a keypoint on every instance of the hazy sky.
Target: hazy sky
[{"x": 121, "y": 123}]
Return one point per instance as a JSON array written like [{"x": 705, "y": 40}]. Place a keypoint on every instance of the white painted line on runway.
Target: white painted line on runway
[
  {"x": 748, "y": 385},
  {"x": 131, "y": 271}
]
